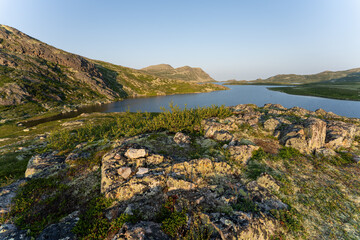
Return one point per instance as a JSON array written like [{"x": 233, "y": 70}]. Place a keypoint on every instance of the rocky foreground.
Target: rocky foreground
[{"x": 260, "y": 173}]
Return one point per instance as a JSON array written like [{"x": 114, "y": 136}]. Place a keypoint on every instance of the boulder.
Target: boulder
[
  {"x": 271, "y": 124},
  {"x": 242, "y": 153},
  {"x": 263, "y": 197},
  {"x": 42, "y": 165},
  {"x": 326, "y": 152},
  {"x": 11, "y": 232},
  {"x": 182, "y": 139},
  {"x": 124, "y": 172},
  {"x": 61, "y": 230},
  {"x": 133, "y": 153},
  {"x": 7, "y": 194},
  {"x": 142, "y": 230},
  {"x": 340, "y": 134},
  {"x": 306, "y": 137},
  {"x": 142, "y": 171},
  {"x": 222, "y": 136},
  {"x": 315, "y": 133}
]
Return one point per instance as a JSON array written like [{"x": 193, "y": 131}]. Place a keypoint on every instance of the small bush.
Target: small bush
[
  {"x": 94, "y": 225},
  {"x": 131, "y": 124},
  {"x": 289, "y": 153},
  {"x": 41, "y": 202},
  {"x": 245, "y": 204}
]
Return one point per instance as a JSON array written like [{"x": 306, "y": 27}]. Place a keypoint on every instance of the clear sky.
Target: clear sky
[{"x": 229, "y": 39}]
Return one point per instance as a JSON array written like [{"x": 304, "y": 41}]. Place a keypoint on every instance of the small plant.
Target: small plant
[
  {"x": 289, "y": 153},
  {"x": 291, "y": 219},
  {"x": 41, "y": 202},
  {"x": 94, "y": 225},
  {"x": 245, "y": 204}
]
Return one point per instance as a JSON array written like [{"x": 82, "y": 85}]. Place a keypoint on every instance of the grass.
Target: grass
[
  {"x": 13, "y": 166},
  {"x": 41, "y": 202},
  {"x": 94, "y": 225},
  {"x": 130, "y": 124},
  {"x": 347, "y": 90}
]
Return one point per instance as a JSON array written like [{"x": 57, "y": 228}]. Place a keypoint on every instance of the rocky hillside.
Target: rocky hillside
[
  {"x": 185, "y": 73},
  {"x": 243, "y": 172},
  {"x": 42, "y": 76}
]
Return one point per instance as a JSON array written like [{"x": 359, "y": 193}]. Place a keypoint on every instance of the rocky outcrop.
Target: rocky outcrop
[
  {"x": 181, "y": 139},
  {"x": 42, "y": 165},
  {"x": 339, "y": 134},
  {"x": 306, "y": 137},
  {"x": 141, "y": 230},
  {"x": 242, "y": 153}
]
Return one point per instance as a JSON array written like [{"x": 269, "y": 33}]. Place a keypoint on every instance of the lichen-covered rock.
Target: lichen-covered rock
[
  {"x": 142, "y": 230},
  {"x": 182, "y": 139},
  {"x": 271, "y": 124},
  {"x": 326, "y": 152},
  {"x": 11, "y": 232},
  {"x": 339, "y": 134},
  {"x": 263, "y": 196},
  {"x": 7, "y": 194},
  {"x": 242, "y": 153},
  {"x": 42, "y": 165},
  {"x": 305, "y": 138},
  {"x": 315, "y": 133},
  {"x": 61, "y": 230},
  {"x": 267, "y": 181},
  {"x": 133, "y": 153}
]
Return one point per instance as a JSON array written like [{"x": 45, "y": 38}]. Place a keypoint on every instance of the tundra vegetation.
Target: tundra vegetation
[{"x": 205, "y": 173}]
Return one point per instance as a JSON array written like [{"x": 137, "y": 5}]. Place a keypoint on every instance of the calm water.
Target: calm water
[{"x": 237, "y": 94}]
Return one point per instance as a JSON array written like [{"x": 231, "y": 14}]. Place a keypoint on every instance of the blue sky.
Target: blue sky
[{"x": 228, "y": 39}]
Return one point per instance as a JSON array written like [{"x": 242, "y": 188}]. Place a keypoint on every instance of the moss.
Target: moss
[
  {"x": 41, "y": 202},
  {"x": 13, "y": 166}
]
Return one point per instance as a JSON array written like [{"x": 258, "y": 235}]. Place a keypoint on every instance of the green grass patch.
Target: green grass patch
[
  {"x": 131, "y": 124},
  {"x": 13, "y": 166}
]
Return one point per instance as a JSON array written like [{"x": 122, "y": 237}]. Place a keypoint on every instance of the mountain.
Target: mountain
[
  {"x": 42, "y": 76},
  {"x": 185, "y": 73},
  {"x": 347, "y": 88},
  {"x": 294, "y": 79}
]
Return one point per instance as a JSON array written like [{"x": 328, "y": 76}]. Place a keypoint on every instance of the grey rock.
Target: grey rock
[
  {"x": 42, "y": 165},
  {"x": 182, "y": 139},
  {"x": 61, "y": 230},
  {"x": 143, "y": 230},
  {"x": 133, "y": 153},
  {"x": 11, "y": 232},
  {"x": 124, "y": 172},
  {"x": 7, "y": 194},
  {"x": 142, "y": 171}
]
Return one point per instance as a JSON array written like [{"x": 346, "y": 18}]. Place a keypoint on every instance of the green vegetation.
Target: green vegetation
[
  {"x": 347, "y": 88},
  {"x": 13, "y": 166},
  {"x": 37, "y": 204},
  {"x": 130, "y": 124},
  {"x": 94, "y": 225}
]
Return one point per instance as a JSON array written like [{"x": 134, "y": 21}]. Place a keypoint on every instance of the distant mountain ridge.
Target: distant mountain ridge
[
  {"x": 185, "y": 73},
  {"x": 34, "y": 72},
  {"x": 294, "y": 79}
]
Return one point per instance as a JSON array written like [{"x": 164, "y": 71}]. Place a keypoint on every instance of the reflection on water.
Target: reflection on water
[{"x": 238, "y": 94}]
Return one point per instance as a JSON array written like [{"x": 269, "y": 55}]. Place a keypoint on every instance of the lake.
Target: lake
[{"x": 238, "y": 94}]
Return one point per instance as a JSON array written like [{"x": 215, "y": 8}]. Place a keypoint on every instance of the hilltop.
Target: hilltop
[
  {"x": 295, "y": 79},
  {"x": 185, "y": 73},
  {"x": 36, "y": 77},
  {"x": 343, "y": 85},
  {"x": 243, "y": 172}
]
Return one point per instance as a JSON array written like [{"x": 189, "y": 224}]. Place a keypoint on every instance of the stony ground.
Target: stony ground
[{"x": 246, "y": 173}]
